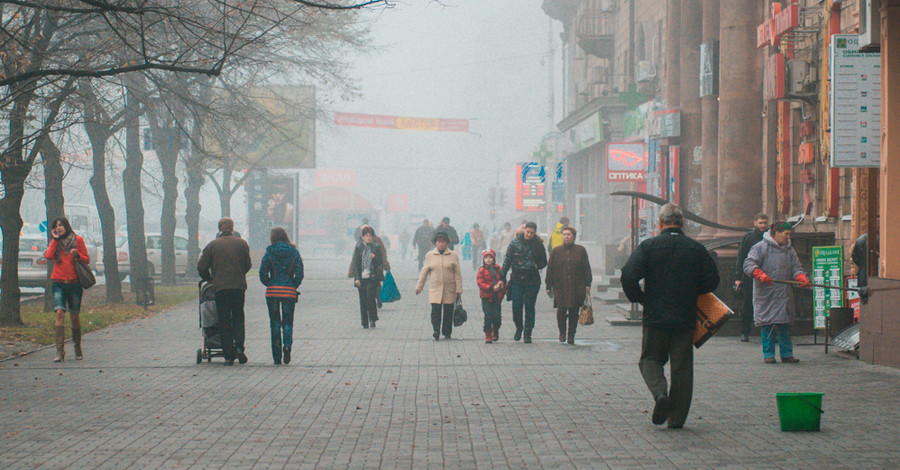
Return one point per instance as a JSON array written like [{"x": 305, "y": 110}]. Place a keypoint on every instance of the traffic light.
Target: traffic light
[{"x": 502, "y": 199}]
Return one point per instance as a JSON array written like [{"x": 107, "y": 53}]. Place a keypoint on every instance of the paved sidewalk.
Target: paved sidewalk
[{"x": 392, "y": 397}]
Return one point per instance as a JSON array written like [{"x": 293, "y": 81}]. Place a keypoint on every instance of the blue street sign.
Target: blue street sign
[{"x": 42, "y": 226}]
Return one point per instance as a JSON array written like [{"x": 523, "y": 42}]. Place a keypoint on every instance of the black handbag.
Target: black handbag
[
  {"x": 85, "y": 275},
  {"x": 459, "y": 313}
]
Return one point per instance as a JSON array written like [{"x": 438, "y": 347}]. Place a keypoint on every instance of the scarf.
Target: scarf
[
  {"x": 64, "y": 245},
  {"x": 366, "y": 259}
]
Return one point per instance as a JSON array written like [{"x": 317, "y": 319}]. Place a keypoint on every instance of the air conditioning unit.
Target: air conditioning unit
[
  {"x": 870, "y": 25},
  {"x": 646, "y": 71},
  {"x": 800, "y": 77}
]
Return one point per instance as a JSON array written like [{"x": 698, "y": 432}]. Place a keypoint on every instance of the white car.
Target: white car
[
  {"x": 33, "y": 265},
  {"x": 154, "y": 254}
]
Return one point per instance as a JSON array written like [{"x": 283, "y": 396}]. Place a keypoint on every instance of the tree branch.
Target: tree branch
[{"x": 215, "y": 71}]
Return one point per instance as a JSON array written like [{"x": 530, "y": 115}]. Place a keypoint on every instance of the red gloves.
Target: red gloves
[
  {"x": 763, "y": 277},
  {"x": 804, "y": 281}
]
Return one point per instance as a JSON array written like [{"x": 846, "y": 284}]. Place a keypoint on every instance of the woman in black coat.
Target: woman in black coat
[{"x": 367, "y": 268}]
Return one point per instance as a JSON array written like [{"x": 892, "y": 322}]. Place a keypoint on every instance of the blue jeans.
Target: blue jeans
[
  {"x": 281, "y": 322},
  {"x": 779, "y": 333},
  {"x": 524, "y": 295},
  {"x": 67, "y": 294}
]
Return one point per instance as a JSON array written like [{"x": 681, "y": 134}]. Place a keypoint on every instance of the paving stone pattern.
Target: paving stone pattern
[{"x": 392, "y": 397}]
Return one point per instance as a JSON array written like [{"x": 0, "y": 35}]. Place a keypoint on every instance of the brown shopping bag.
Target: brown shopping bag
[
  {"x": 587, "y": 312},
  {"x": 712, "y": 313}
]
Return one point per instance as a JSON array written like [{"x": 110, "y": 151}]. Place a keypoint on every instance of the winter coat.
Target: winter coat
[
  {"x": 487, "y": 278},
  {"x": 555, "y": 237},
  {"x": 477, "y": 238},
  {"x": 676, "y": 270},
  {"x": 385, "y": 266},
  {"x": 525, "y": 258},
  {"x": 225, "y": 262},
  {"x": 446, "y": 278},
  {"x": 568, "y": 274},
  {"x": 423, "y": 236},
  {"x": 378, "y": 262},
  {"x": 281, "y": 271},
  {"x": 750, "y": 238},
  {"x": 64, "y": 267},
  {"x": 773, "y": 303}
]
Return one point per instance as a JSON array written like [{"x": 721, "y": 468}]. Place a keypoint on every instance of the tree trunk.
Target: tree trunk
[
  {"x": 53, "y": 200},
  {"x": 134, "y": 206},
  {"x": 225, "y": 193},
  {"x": 13, "y": 172},
  {"x": 167, "y": 142},
  {"x": 99, "y": 134},
  {"x": 195, "y": 179}
]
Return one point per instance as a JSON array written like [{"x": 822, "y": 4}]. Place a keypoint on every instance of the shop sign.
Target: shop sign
[
  {"x": 664, "y": 123},
  {"x": 853, "y": 299},
  {"x": 397, "y": 203},
  {"x": 586, "y": 133},
  {"x": 626, "y": 162},
  {"x": 770, "y": 31},
  {"x": 855, "y": 108},
  {"x": 709, "y": 68},
  {"x": 343, "y": 178},
  {"x": 775, "y": 81},
  {"x": 530, "y": 180},
  {"x": 827, "y": 265}
]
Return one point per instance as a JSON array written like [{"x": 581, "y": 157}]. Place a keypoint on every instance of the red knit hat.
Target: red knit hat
[{"x": 488, "y": 252}]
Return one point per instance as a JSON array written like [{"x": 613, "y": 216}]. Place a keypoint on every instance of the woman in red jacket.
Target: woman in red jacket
[
  {"x": 491, "y": 290},
  {"x": 64, "y": 247}
]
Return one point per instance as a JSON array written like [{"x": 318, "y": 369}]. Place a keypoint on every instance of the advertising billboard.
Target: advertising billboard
[{"x": 626, "y": 162}]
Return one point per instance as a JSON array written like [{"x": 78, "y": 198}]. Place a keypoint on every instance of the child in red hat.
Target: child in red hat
[{"x": 491, "y": 289}]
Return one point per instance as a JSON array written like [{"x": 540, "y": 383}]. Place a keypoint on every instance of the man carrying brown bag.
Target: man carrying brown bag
[{"x": 676, "y": 270}]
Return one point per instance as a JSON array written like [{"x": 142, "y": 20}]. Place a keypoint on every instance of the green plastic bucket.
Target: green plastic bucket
[{"x": 799, "y": 411}]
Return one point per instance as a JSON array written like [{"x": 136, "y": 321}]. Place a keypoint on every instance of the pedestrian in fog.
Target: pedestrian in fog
[
  {"x": 506, "y": 237},
  {"x": 676, "y": 270},
  {"x": 225, "y": 262},
  {"x": 568, "y": 281},
  {"x": 367, "y": 268},
  {"x": 773, "y": 304},
  {"x": 422, "y": 240},
  {"x": 742, "y": 282},
  {"x": 65, "y": 249},
  {"x": 556, "y": 238},
  {"x": 445, "y": 227},
  {"x": 467, "y": 247},
  {"x": 442, "y": 266},
  {"x": 281, "y": 271},
  {"x": 524, "y": 259},
  {"x": 491, "y": 290},
  {"x": 478, "y": 245}
]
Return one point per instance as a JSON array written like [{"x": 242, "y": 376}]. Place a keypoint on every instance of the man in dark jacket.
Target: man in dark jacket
[
  {"x": 525, "y": 257},
  {"x": 741, "y": 281},
  {"x": 422, "y": 240},
  {"x": 675, "y": 270},
  {"x": 449, "y": 230},
  {"x": 225, "y": 262}
]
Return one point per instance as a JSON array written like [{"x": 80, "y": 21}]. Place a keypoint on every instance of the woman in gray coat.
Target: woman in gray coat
[{"x": 773, "y": 304}]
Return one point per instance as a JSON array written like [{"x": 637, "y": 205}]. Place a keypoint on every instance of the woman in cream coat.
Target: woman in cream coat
[{"x": 442, "y": 264}]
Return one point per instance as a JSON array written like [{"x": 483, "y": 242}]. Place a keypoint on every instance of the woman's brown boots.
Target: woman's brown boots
[
  {"x": 76, "y": 338},
  {"x": 60, "y": 344}
]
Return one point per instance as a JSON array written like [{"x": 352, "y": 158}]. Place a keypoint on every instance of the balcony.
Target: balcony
[
  {"x": 560, "y": 10},
  {"x": 596, "y": 32}
]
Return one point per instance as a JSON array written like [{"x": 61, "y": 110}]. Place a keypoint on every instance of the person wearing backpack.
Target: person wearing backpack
[{"x": 281, "y": 271}]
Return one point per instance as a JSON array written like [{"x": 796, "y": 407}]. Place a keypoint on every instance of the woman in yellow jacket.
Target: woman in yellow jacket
[{"x": 442, "y": 264}]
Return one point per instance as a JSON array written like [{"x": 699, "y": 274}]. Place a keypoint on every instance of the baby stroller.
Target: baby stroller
[{"x": 212, "y": 342}]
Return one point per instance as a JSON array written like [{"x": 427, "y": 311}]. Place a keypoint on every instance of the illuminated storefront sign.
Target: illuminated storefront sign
[
  {"x": 626, "y": 162},
  {"x": 770, "y": 31},
  {"x": 530, "y": 180}
]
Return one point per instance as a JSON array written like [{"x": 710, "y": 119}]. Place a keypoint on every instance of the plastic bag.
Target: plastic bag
[{"x": 389, "y": 291}]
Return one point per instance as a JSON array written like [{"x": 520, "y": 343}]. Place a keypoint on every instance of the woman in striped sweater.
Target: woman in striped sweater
[{"x": 281, "y": 271}]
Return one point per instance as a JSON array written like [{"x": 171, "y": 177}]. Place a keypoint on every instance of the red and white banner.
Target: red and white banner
[
  {"x": 401, "y": 122},
  {"x": 344, "y": 178}
]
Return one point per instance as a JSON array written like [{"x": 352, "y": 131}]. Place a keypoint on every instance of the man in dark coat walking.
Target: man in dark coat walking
[
  {"x": 225, "y": 262},
  {"x": 742, "y": 282},
  {"x": 525, "y": 257},
  {"x": 422, "y": 240},
  {"x": 676, "y": 270},
  {"x": 445, "y": 227}
]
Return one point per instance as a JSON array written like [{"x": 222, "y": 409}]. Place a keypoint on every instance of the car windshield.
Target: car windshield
[{"x": 120, "y": 241}]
